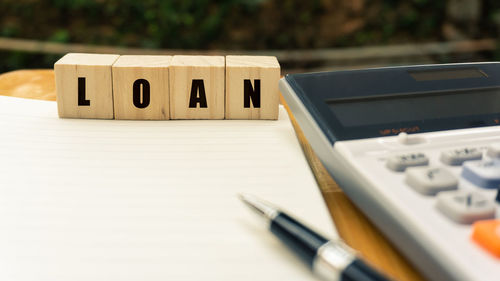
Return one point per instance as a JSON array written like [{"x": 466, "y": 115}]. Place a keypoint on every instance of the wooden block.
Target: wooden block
[
  {"x": 140, "y": 87},
  {"x": 84, "y": 86},
  {"x": 197, "y": 87},
  {"x": 252, "y": 87}
]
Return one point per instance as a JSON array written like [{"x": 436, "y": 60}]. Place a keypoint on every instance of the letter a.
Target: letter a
[{"x": 198, "y": 94}]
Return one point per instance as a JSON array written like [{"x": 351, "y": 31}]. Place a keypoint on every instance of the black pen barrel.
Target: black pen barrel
[
  {"x": 302, "y": 240},
  {"x": 312, "y": 249},
  {"x": 360, "y": 271},
  {"x": 330, "y": 260}
]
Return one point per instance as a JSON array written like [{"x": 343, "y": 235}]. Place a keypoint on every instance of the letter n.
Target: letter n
[{"x": 251, "y": 93}]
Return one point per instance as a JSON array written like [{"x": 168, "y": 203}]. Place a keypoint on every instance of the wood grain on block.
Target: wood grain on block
[
  {"x": 252, "y": 87},
  {"x": 140, "y": 87},
  {"x": 197, "y": 87},
  {"x": 84, "y": 85}
]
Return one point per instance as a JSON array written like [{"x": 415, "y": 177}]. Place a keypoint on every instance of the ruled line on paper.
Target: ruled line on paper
[{"x": 147, "y": 200}]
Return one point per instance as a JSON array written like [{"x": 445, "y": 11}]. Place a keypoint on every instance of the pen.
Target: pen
[{"x": 329, "y": 259}]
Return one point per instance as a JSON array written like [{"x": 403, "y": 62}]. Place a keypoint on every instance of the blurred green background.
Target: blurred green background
[{"x": 241, "y": 25}]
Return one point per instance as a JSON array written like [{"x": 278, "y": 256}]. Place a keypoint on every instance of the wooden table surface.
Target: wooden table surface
[{"x": 353, "y": 226}]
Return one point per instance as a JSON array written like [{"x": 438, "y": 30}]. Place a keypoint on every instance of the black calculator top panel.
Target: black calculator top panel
[{"x": 377, "y": 102}]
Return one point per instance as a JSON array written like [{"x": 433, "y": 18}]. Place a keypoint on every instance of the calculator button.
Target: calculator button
[
  {"x": 494, "y": 151},
  {"x": 487, "y": 234},
  {"x": 458, "y": 156},
  {"x": 404, "y": 138},
  {"x": 430, "y": 180},
  {"x": 485, "y": 174},
  {"x": 402, "y": 161},
  {"x": 465, "y": 206}
]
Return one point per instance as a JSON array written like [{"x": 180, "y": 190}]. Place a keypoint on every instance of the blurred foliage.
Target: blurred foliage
[{"x": 230, "y": 24}]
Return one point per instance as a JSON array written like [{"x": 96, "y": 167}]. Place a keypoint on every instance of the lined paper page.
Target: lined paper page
[{"x": 147, "y": 200}]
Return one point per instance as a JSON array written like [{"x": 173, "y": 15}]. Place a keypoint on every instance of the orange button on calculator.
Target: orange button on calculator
[{"x": 487, "y": 234}]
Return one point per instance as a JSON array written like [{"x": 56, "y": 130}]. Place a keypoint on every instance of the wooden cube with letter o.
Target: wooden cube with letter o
[{"x": 141, "y": 87}]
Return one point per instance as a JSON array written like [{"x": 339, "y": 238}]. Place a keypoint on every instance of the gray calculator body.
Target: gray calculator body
[{"x": 417, "y": 149}]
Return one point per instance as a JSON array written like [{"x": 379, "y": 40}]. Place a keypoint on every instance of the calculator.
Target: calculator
[{"x": 417, "y": 149}]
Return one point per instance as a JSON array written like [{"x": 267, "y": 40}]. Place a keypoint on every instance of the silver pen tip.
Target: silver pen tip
[{"x": 259, "y": 206}]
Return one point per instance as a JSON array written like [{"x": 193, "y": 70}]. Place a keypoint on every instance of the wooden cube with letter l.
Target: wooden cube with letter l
[
  {"x": 84, "y": 85},
  {"x": 140, "y": 87},
  {"x": 197, "y": 87},
  {"x": 252, "y": 87}
]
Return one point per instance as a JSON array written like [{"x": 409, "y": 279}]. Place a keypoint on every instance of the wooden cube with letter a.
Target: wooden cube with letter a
[
  {"x": 252, "y": 87},
  {"x": 84, "y": 85},
  {"x": 140, "y": 87},
  {"x": 197, "y": 87}
]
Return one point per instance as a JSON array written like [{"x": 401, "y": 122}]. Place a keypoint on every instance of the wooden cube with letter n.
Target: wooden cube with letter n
[
  {"x": 252, "y": 87},
  {"x": 140, "y": 87},
  {"x": 197, "y": 87},
  {"x": 84, "y": 85}
]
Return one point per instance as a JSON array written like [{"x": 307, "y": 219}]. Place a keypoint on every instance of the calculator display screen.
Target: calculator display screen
[
  {"x": 445, "y": 74},
  {"x": 411, "y": 108}
]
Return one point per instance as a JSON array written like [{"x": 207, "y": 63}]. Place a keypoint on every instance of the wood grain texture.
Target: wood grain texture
[
  {"x": 96, "y": 70},
  {"x": 153, "y": 69},
  {"x": 353, "y": 226},
  {"x": 263, "y": 73},
  {"x": 183, "y": 71},
  {"x": 31, "y": 84}
]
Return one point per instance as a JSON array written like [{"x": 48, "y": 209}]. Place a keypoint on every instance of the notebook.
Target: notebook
[{"x": 147, "y": 200}]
